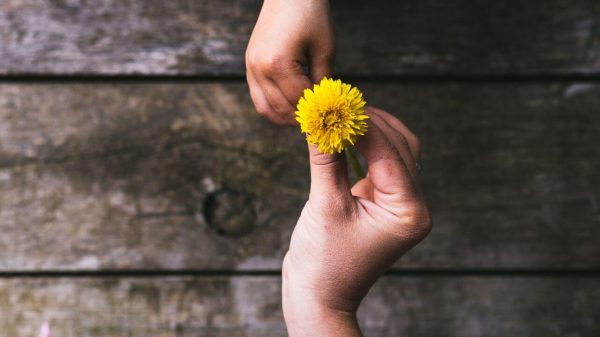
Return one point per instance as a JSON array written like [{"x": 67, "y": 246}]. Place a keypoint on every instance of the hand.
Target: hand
[
  {"x": 346, "y": 238},
  {"x": 289, "y": 36}
]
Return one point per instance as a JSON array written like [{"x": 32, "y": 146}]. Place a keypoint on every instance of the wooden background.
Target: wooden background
[{"x": 140, "y": 195}]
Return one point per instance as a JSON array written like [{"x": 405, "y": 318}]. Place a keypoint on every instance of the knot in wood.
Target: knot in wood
[{"x": 230, "y": 213}]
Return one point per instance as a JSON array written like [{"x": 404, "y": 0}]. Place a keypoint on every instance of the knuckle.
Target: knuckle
[
  {"x": 421, "y": 223},
  {"x": 272, "y": 64},
  {"x": 324, "y": 160},
  {"x": 263, "y": 111},
  {"x": 281, "y": 109},
  {"x": 411, "y": 223},
  {"x": 252, "y": 59}
]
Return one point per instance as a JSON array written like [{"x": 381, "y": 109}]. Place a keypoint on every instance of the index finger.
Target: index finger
[{"x": 291, "y": 82}]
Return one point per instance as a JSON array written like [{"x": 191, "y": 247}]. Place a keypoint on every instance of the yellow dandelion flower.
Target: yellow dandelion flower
[{"x": 332, "y": 115}]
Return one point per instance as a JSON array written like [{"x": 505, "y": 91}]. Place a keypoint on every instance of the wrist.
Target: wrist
[
  {"x": 305, "y": 320},
  {"x": 305, "y": 316}
]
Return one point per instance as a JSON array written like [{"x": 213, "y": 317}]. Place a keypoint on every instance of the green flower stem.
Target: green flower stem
[{"x": 352, "y": 160}]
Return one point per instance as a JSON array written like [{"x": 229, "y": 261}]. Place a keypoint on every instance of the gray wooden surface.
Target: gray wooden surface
[
  {"x": 105, "y": 178},
  {"x": 250, "y": 307},
  {"x": 118, "y": 176},
  {"x": 381, "y": 37}
]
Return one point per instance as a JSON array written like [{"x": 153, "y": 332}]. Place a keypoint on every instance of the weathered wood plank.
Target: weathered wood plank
[
  {"x": 96, "y": 176},
  {"x": 375, "y": 37},
  {"x": 247, "y": 306}
]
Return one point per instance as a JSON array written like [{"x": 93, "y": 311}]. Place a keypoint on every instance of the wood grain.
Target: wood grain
[
  {"x": 431, "y": 37},
  {"x": 250, "y": 306},
  {"x": 119, "y": 176}
]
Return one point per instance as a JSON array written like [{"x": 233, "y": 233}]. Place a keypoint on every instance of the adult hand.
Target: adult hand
[
  {"x": 346, "y": 238},
  {"x": 289, "y": 37}
]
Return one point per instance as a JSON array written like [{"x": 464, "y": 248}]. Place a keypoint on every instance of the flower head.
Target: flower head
[{"x": 332, "y": 115}]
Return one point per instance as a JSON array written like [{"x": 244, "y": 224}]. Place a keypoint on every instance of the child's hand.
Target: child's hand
[
  {"x": 289, "y": 36},
  {"x": 346, "y": 238}
]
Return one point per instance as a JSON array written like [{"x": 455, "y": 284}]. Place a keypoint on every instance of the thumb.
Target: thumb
[{"x": 329, "y": 177}]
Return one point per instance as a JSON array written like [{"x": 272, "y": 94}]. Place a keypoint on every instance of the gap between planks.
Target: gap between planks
[
  {"x": 226, "y": 78},
  {"x": 556, "y": 273}
]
